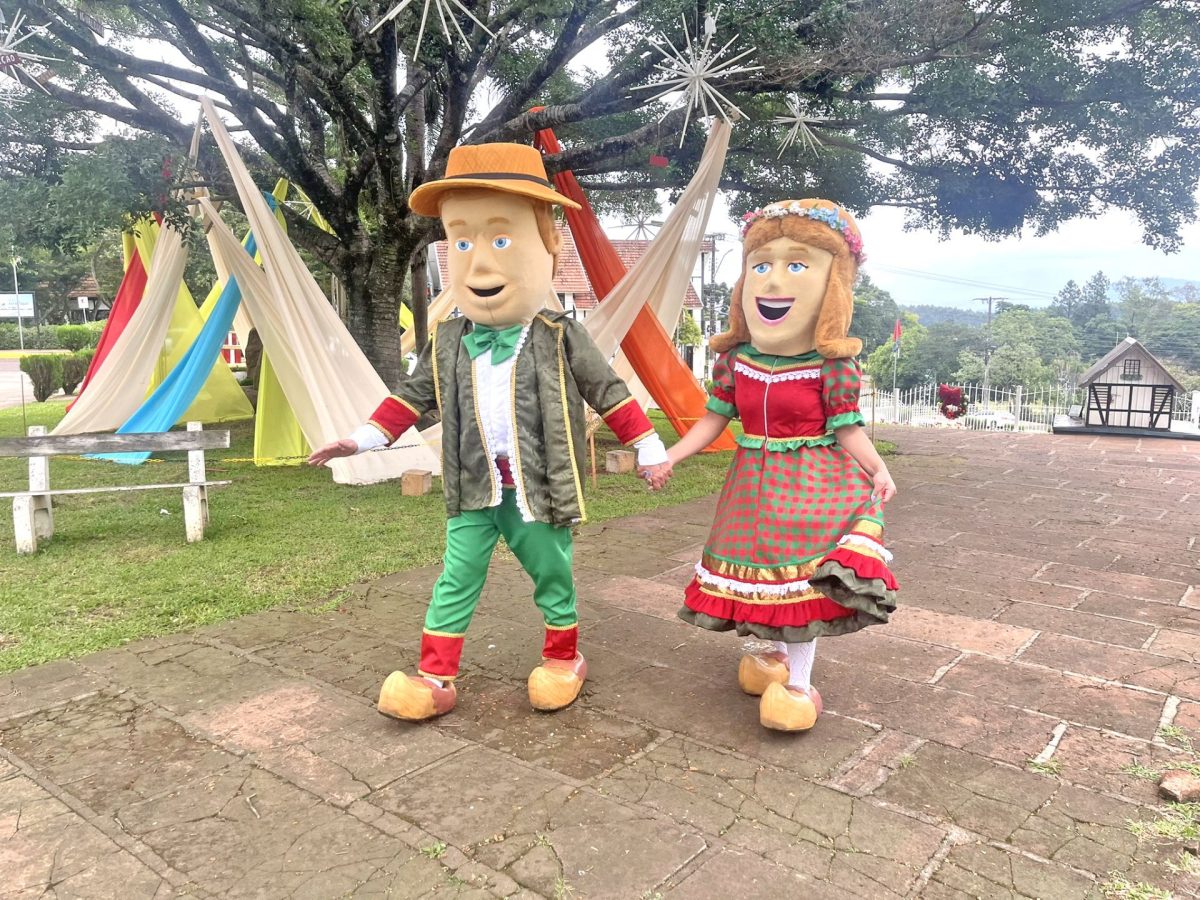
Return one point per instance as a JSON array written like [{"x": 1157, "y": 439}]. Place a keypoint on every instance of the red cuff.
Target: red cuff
[
  {"x": 440, "y": 653},
  {"x": 561, "y": 643},
  {"x": 394, "y": 417},
  {"x": 628, "y": 422}
]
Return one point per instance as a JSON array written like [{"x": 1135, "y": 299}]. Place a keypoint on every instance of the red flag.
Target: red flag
[{"x": 896, "y": 332}]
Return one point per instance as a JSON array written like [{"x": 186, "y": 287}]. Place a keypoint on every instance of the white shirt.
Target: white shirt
[{"x": 493, "y": 394}]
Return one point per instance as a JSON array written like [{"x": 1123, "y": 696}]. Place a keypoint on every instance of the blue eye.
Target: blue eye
[
  {"x": 796, "y": 267},
  {"x": 762, "y": 268},
  {"x": 463, "y": 245},
  {"x": 502, "y": 242}
]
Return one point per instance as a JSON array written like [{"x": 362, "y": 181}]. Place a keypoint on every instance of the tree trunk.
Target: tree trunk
[
  {"x": 374, "y": 279},
  {"x": 420, "y": 298}
]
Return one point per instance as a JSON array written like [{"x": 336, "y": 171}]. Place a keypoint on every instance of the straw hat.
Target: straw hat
[{"x": 511, "y": 168}]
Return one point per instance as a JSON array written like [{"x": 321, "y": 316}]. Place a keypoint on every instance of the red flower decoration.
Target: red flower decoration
[{"x": 951, "y": 401}]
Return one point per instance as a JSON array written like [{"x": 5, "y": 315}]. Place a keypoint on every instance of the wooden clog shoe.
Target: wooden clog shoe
[
  {"x": 556, "y": 683},
  {"x": 789, "y": 709},
  {"x": 757, "y": 671},
  {"x": 415, "y": 699}
]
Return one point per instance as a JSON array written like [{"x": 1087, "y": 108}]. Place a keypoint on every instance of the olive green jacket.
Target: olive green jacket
[{"x": 557, "y": 370}]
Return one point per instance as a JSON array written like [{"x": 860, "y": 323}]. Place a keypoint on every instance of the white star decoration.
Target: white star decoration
[
  {"x": 445, "y": 11},
  {"x": 13, "y": 60},
  {"x": 800, "y": 130},
  {"x": 692, "y": 70}
]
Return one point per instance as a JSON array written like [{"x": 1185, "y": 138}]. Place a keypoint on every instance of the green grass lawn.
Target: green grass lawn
[{"x": 118, "y": 567}]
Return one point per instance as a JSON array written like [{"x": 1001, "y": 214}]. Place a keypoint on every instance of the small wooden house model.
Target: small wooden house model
[{"x": 1129, "y": 388}]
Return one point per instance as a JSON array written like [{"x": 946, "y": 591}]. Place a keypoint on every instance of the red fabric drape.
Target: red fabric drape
[
  {"x": 129, "y": 295},
  {"x": 648, "y": 347}
]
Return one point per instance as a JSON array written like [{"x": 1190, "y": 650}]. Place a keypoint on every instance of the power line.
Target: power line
[{"x": 966, "y": 282}]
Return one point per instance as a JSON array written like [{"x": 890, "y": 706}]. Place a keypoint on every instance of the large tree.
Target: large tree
[{"x": 979, "y": 115}]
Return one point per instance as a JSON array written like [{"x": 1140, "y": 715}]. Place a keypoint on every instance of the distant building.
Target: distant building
[
  {"x": 1129, "y": 388},
  {"x": 85, "y": 304}
]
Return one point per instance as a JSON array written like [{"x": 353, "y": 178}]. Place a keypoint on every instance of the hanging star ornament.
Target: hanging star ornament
[
  {"x": 643, "y": 228},
  {"x": 692, "y": 70},
  {"x": 800, "y": 130},
  {"x": 13, "y": 59},
  {"x": 446, "y": 13}
]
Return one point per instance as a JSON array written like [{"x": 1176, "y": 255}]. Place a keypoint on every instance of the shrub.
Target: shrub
[
  {"x": 74, "y": 367},
  {"x": 43, "y": 339},
  {"x": 45, "y": 372},
  {"x": 34, "y": 340},
  {"x": 75, "y": 337}
]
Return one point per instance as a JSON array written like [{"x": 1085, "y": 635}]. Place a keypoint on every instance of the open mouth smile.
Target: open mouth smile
[
  {"x": 487, "y": 292},
  {"x": 773, "y": 309}
]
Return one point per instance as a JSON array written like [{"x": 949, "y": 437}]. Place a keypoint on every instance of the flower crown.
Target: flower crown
[{"x": 833, "y": 217}]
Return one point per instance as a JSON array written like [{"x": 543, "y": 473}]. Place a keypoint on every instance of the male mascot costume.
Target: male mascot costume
[{"x": 510, "y": 379}]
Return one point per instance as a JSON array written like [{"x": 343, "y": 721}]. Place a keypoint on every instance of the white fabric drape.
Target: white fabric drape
[
  {"x": 120, "y": 386},
  {"x": 661, "y": 277},
  {"x": 328, "y": 382}
]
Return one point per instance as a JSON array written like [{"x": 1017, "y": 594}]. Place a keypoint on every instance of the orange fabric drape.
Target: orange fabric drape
[{"x": 647, "y": 346}]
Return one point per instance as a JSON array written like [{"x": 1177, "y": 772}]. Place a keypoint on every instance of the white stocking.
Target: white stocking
[{"x": 800, "y": 663}]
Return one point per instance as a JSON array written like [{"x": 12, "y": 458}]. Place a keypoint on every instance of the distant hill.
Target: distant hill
[
  {"x": 1180, "y": 285},
  {"x": 932, "y": 315},
  {"x": 1174, "y": 286}
]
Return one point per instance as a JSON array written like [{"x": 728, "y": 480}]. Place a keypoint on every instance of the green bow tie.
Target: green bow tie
[{"x": 502, "y": 342}]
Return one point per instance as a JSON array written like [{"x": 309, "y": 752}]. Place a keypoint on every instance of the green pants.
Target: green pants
[{"x": 544, "y": 551}]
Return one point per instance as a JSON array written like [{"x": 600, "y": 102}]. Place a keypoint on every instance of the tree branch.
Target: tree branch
[{"x": 564, "y": 48}]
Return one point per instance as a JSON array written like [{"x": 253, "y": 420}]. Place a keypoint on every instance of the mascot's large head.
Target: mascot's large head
[
  {"x": 496, "y": 205},
  {"x": 799, "y": 260}
]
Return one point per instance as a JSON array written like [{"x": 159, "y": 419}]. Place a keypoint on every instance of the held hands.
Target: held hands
[
  {"x": 885, "y": 488},
  {"x": 656, "y": 476},
  {"x": 344, "y": 447}
]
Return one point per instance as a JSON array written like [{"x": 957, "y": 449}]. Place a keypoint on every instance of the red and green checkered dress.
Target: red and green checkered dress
[{"x": 796, "y": 547}]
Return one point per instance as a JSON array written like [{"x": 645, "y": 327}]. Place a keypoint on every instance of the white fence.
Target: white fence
[{"x": 1002, "y": 410}]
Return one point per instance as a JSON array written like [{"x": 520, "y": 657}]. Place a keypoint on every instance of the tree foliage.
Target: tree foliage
[
  {"x": 875, "y": 313},
  {"x": 980, "y": 116},
  {"x": 1037, "y": 348},
  {"x": 688, "y": 334}
]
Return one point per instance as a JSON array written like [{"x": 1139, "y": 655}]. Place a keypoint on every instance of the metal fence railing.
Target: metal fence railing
[{"x": 997, "y": 409}]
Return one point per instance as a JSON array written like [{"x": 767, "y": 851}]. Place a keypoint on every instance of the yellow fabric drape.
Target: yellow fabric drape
[
  {"x": 222, "y": 398},
  {"x": 278, "y": 438}
]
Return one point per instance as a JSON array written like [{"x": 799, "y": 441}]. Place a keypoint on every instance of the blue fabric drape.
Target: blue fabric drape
[{"x": 170, "y": 400}]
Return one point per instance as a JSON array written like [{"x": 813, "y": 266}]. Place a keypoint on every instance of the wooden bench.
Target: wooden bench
[{"x": 33, "y": 510}]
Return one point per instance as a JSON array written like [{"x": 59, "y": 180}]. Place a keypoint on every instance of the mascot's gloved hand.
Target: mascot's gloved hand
[{"x": 344, "y": 447}]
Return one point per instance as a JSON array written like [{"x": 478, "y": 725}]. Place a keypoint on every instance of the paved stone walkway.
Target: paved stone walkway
[
  {"x": 11, "y": 379},
  {"x": 1050, "y": 612}
]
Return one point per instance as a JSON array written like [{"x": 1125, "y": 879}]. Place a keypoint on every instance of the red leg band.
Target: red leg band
[
  {"x": 561, "y": 643},
  {"x": 440, "y": 655}
]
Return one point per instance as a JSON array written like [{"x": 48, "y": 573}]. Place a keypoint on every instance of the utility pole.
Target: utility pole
[
  {"x": 987, "y": 350},
  {"x": 20, "y": 340},
  {"x": 17, "y": 298}
]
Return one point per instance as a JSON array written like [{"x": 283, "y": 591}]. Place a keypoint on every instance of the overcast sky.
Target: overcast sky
[{"x": 1028, "y": 269}]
